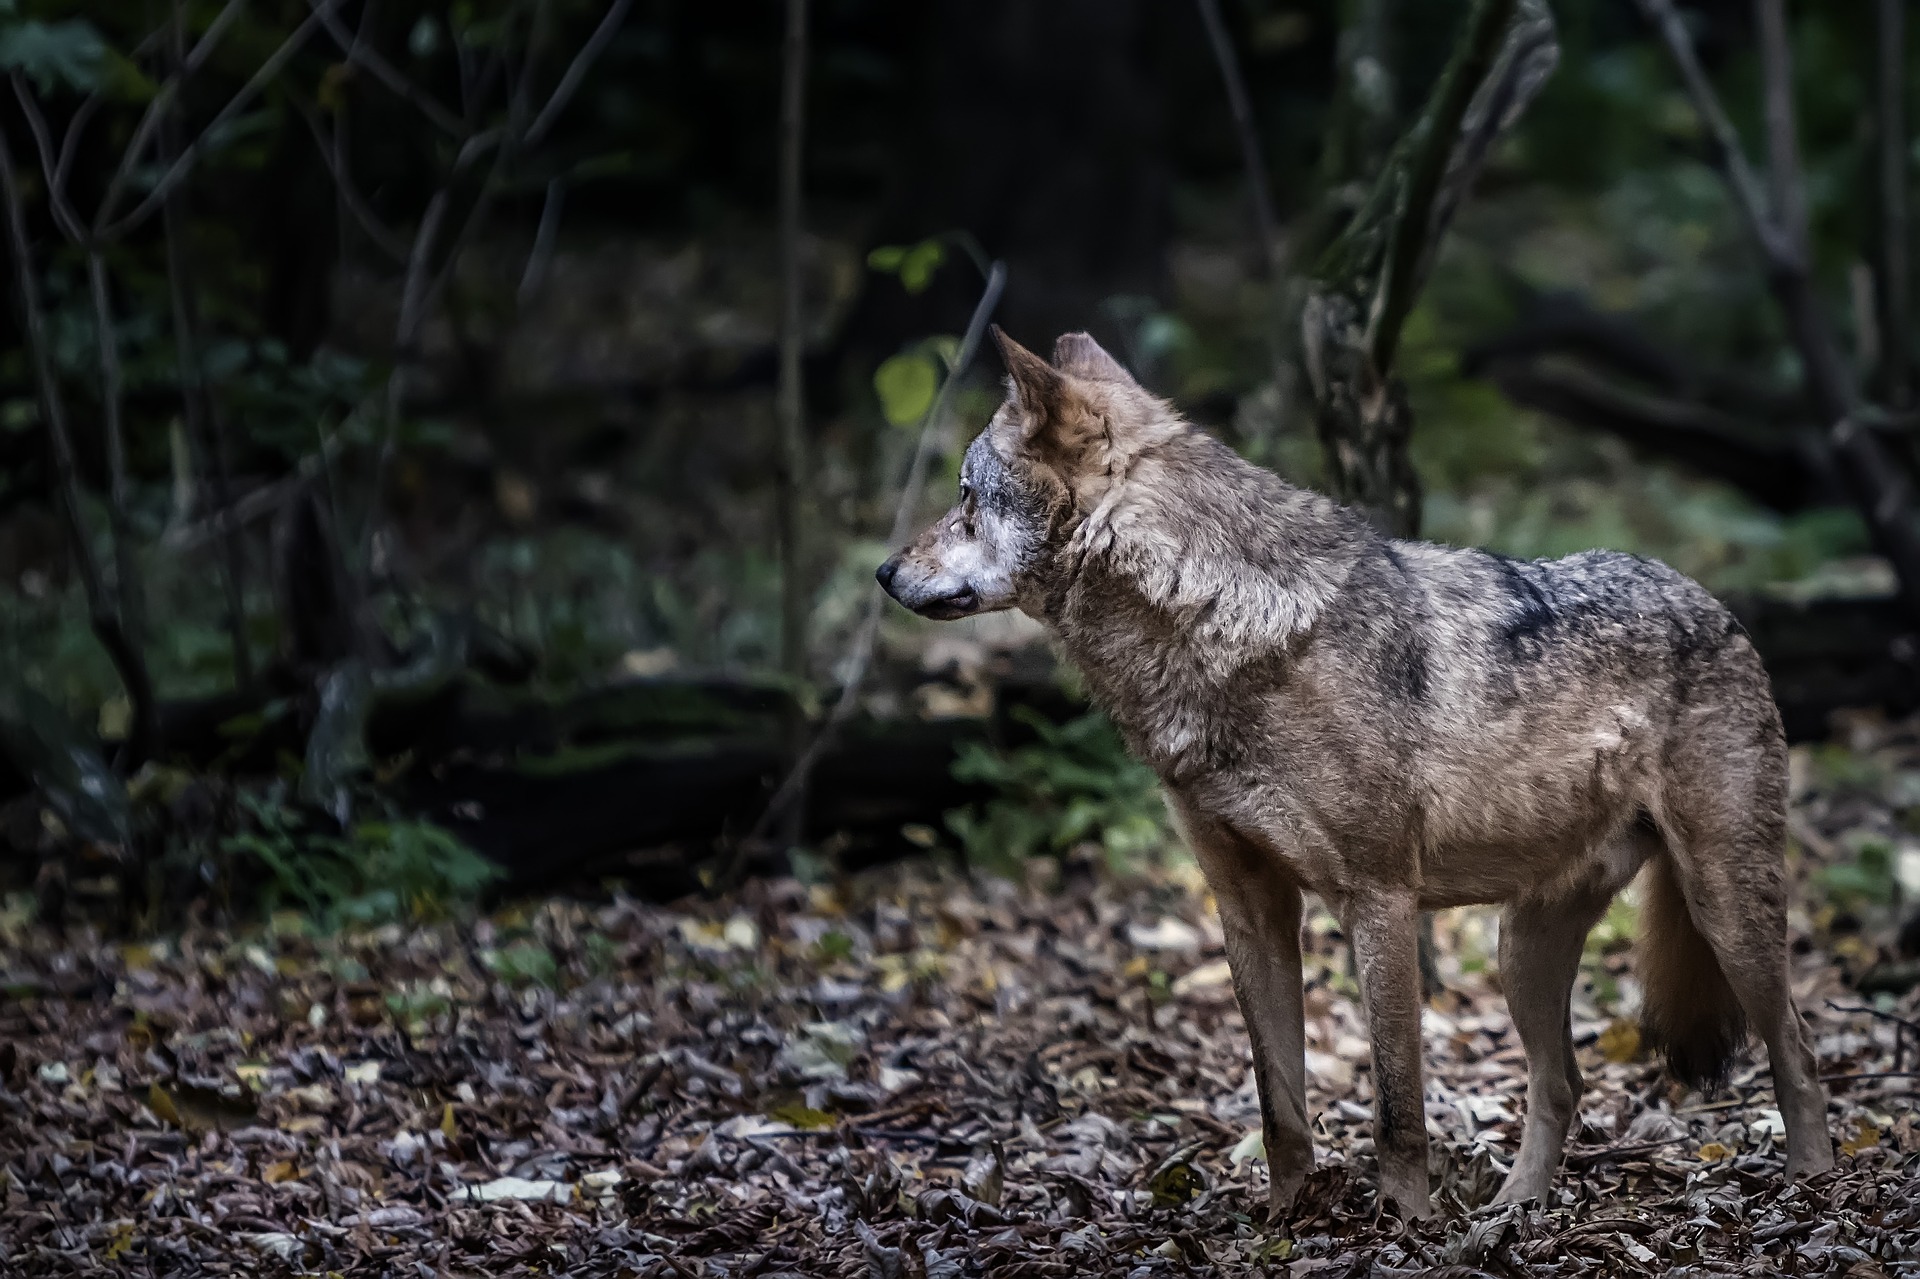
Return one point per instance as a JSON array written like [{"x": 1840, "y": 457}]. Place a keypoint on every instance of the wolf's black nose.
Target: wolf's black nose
[{"x": 884, "y": 574}]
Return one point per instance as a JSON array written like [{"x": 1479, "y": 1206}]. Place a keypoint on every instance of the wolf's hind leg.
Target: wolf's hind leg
[
  {"x": 1726, "y": 878},
  {"x": 1260, "y": 918},
  {"x": 1385, "y": 929},
  {"x": 1540, "y": 949}
]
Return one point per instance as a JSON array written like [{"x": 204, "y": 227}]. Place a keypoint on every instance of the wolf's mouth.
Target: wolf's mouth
[{"x": 947, "y": 608}]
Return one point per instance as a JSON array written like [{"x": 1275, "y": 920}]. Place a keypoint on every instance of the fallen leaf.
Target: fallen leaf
[
  {"x": 518, "y": 1188},
  {"x": 1165, "y": 933},
  {"x": 986, "y": 1175},
  {"x": 1620, "y": 1042},
  {"x": 1205, "y": 977},
  {"x": 1176, "y": 1184},
  {"x": 1713, "y": 1152},
  {"x": 1865, "y": 1136}
]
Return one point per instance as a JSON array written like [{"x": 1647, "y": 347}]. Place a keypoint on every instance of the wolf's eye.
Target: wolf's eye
[{"x": 966, "y": 491}]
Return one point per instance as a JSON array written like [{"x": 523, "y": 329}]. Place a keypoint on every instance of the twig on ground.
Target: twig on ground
[
  {"x": 1590, "y": 1158},
  {"x": 1901, "y": 1026}
]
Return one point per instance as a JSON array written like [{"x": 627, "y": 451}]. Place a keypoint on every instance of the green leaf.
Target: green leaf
[
  {"x": 906, "y": 385},
  {"x": 49, "y": 53},
  {"x": 1176, "y": 1184},
  {"x": 921, "y": 261},
  {"x": 914, "y": 264},
  {"x": 424, "y": 39}
]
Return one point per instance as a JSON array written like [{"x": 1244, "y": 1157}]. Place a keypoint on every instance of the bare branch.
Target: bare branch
[
  {"x": 384, "y": 237},
  {"x": 1749, "y": 196},
  {"x": 364, "y": 56},
  {"x": 576, "y": 72},
  {"x": 1783, "y": 145},
  {"x": 790, "y": 456},
  {"x": 1433, "y": 142},
  {"x": 540, "y": 257},
  {"x": 1266, "y": 227},
  {"x": 103, "y": 229},
  {"x": 1784, "y": 468},
  {"x": 70, "y": 143},
  {"x": 860, "y": 656},
  {"x": 1251, "y": 157},
  {"x": 1894, "y": 281},
  {"x": 126, "y": 567},
  {"x": 63, "y": 212},
  {"x": 162, "y": 101},
  {"x": 105, "y": 620},
  {"x": 1879, "y": 490},
  {"x": 206, "y": 427}
]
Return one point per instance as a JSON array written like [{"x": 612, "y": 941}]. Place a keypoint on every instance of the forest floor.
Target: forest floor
[{"x": 908, "y": 1073}]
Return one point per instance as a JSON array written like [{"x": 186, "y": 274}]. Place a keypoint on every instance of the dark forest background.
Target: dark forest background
[{"x": 392, "y": 465}]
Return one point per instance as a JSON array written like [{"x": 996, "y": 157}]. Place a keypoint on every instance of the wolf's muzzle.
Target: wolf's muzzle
[{"x": 941, "y": 608}]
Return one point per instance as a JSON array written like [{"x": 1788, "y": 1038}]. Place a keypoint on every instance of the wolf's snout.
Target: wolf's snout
[{"x": 884, "y": 574}]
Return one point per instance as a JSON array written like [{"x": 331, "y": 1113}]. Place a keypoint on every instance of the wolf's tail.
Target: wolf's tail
[{"x": 1688, "y": 1011}]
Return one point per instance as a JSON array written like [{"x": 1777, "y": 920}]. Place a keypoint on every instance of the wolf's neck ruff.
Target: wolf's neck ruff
[{"x": 1193, "y": 566}]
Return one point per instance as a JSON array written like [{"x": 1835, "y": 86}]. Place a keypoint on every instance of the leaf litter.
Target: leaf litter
[{"x": 908, "y": 1073}]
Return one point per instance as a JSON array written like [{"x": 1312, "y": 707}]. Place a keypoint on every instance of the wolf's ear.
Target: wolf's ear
[
  {"x": 1036, "y": 387},
  {"x": 1080, "y": 355},
  {"x": 1046, "y": 417}
]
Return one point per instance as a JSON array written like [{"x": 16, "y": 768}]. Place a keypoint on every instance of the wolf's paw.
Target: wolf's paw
[
  {"x": 1283, "y": 1191},
  {"x": 1406, "y": 1197},
  {"x": 1810, "y": 1164},
  {"x": 1518, "y": 1189}
]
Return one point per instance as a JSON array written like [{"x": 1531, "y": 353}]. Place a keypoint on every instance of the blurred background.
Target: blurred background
[{"x": 446, "y": 446}]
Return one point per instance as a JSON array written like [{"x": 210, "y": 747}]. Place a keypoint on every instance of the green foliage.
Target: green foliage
[
  {"x": 914, "y": 264},
  {"x": 380, "y": 871},
  {"x": 1076, "y": 783},
  {"x": 906, "y": 384},
  {"x": 69, "y": 54},
  {"x": 523, "y": 963},
  {"x": 1865, "y": 882}
]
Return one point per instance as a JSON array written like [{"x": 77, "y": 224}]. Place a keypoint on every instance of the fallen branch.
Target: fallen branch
[{"x": 1785, "y": 470}]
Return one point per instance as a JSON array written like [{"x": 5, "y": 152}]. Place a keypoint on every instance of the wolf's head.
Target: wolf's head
[{"x": 1056, "y": 447}]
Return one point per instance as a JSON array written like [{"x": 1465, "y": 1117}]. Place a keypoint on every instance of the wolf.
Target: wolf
[{"x": 1396, "y": 726}]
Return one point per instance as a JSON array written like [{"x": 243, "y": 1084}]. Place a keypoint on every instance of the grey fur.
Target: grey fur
[{"x": 1397, "y": 726}]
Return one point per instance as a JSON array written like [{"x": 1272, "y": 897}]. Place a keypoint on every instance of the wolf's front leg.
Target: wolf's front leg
[
  {"x": 1384, "y": 926},
  {"x": 1260, "y": 919}
]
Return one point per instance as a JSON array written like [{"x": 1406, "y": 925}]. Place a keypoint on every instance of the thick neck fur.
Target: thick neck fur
[{"x": 1194, "y": 566}]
